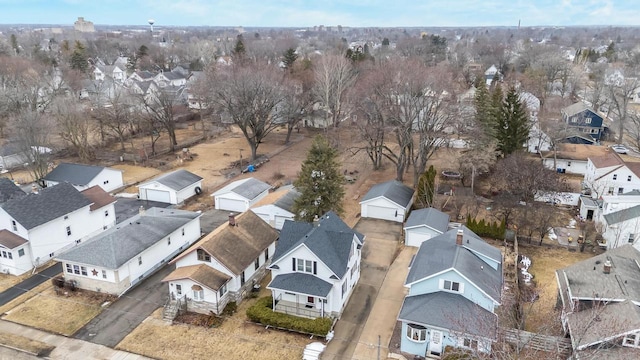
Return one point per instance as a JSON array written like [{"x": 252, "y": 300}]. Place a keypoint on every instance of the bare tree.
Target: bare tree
[
  {"x": 295, "y": 102},
  {"x": 74, "y": 127},
  {"x": 595, "y": 88},
  {"x": 115, "y": 115},
  {"x": 32, "y": 132},
  {"x": 163, "y": 106},
  {"x": 334, "y": 75},
  {"x": 620, "y": 91}
]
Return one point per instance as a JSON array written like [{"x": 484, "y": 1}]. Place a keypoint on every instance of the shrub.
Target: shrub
[
  {"x": 262, "y": 313},
  {"x": 230, "y": 309},
  {"x": 58, "y": 281},
  {"x": 493, "y": 230}
]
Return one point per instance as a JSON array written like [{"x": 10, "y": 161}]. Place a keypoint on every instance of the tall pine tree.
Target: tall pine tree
[
  {"x": 79, "y": 58},
  {"x": 289, "y": 58},
  {"x": 483, "y": 106},
  {"x": 321, "y": 185},
  {"x": 512, "y": 124}
]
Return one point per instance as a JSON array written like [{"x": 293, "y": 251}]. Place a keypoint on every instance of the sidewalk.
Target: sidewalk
[
  {"x": 68, "y": 348},
  {"x": 386, "y": 308}
]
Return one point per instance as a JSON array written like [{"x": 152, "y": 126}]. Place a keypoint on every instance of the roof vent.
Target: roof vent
[{"x": 607, "y": 267}]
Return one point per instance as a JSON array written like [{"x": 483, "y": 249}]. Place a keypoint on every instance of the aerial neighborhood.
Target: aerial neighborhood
[{"x": 323, "y": 192}]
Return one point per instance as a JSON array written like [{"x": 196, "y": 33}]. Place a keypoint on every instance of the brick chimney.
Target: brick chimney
[
  {"x": 607, "y": 267},
  {"x": 459, "y": 235},
  {"x": 316, "y": 221},
  {"x": 232, "y": 219},
  {"x": 34, "y": 189}
]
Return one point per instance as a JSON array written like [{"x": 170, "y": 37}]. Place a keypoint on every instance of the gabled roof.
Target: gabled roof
[
  {"x": 145, "y": 75},
  {"x": 175, "y": 180},
  {"x": 575, "y": 108},
  {"x": 581, "y": 152},
  {"x": 330, "y": 240},
  {"x": 9, "y": 190},
  {"x": 11, "y": 240},
  {"x": 116, "y": 246},
  {"x": 286, "y": 202},
  {"x": 237, "y": 247},
  {"x": 392, "y": 190},
  {"x": 608, "y": 160},
  {"x": 615, "y": 320},
  {"x": 50, "y": 203},
  {"x": 449, "y": 311},
  {"x": 441, "y": 253},
  {"x": 430, "y": 217},
  {"x": 76, "y": 174},
  {"x": 301, "y": 283},
  {"x": 202, "y": 274},
  {"x": 248, "y": 188},
  {"x": 173, "y": 75},
  {"x": 98, "y": 197},
  {"x": 623, "y": 215}
]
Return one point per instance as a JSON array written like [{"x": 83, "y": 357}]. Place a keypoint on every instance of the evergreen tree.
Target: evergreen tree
[
  {"x": 483, "y": 106},
  {"x": 239, "y": 50},
  {"x": 385, "y": 42},
  {"x": 426, "y": 188},
  {"x": 321, "y": 185},
  {"x": 512, "y": 124},
  {"x": 289, "y": 58},
  {"x": 142, "y": 52},
  {"x": 79, "y": 58},
  {"x": 14, "y": 44}
]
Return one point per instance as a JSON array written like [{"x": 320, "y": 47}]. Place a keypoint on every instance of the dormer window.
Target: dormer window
[{"x": 14, "y": 225}]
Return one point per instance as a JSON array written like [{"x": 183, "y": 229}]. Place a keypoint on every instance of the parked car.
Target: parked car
[{"x": 620, "y": 149}]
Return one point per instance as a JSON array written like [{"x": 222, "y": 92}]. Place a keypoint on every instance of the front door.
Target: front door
[{"x": 435, "y": 344}]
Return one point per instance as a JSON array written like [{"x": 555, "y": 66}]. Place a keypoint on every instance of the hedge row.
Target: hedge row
[
  {"x": 490, "y": 229},
  {"x": 263, "y": 313}
]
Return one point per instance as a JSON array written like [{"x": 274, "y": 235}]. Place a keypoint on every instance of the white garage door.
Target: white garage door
[
  {"x": 158, "y": 195},
  {"x": 231, "y": 205},
  {"x": 416, "y": 238},
  {"x": 379, "y": 212}
]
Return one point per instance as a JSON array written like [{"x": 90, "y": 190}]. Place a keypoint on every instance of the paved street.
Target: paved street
[
  {"x": 377, "y": 254},
  {"x": 28, "y": 284}
]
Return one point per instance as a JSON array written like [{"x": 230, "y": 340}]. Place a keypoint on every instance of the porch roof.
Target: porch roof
[{"x": 300, "y": 283}]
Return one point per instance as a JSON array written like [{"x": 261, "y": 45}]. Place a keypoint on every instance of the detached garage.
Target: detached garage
[
  {"x": 423, "y": 224},
  {"x": 240, "y": 195},
  {"x": 387, "y": 201},
  {"x": 172, "y": 188}
]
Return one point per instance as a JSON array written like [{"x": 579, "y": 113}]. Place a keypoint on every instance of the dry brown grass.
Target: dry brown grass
[
  {"x": 20, "y": 342},
  {"x": 24, "y": 297},
  {"x": 545, "y": 262},
  {"x": 57, "y": 313}
]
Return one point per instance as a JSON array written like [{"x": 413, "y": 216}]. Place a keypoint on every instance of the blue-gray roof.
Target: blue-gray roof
[
  {"x": 441, "y": 253},
  {"x": 622, "y": 215},
  {"x": 286, "y": 201},
  {"x": 177, "y": 180},
  {"x": 330, "y": 240},
  {"x": 251, "y": 188},
  {"x": 50, "y": 203},
  {"x": 301, "y": 283},
  {"x": 430, "y": 217},
  {"x": 449, "y": 311},
  {"x": 116, "y": 246},
  {"x": 9, "y": 190},
  {"x": 392, "y": 190},
  {"x": 76, "y": 174}
]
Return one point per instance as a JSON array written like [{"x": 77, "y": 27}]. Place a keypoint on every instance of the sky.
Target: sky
[{"x": 305, "y": 13}]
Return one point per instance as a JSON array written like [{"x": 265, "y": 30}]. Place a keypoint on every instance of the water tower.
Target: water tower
[{"x": 151, "y": 22}]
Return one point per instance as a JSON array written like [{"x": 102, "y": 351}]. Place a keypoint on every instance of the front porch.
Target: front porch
[{"x": 297, "y": 309}]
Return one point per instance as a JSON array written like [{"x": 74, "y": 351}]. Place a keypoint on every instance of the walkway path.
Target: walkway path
[{"x": 29, "y": 283}]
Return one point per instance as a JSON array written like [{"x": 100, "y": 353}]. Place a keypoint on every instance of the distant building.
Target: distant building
[{"x": 83, "y": 26}]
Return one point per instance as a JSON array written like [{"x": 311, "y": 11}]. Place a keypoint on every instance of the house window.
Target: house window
[
  {"x": 178, "y": 289},
  {"x": 307, "y": 266},
  {"x": 105, "y": 182},
  {"x": 169, "y": 240},
  {"x": 106, "y": 213},
  {"x": 257, "y": 263},
  {"x": 68, "y": 267},
  {"x": 223, "y": 290},
  {"x": 68, "y": 230},
  {"x": 242, "y": 279},
  {"x": 587, "y": 121},
  {"x": 21, "y": 252},
  {"x": 78, "y": 241},
  {"x": 83, "y": 270},
  {"x": 182, "y": 231},
  {"x": 620, "y": 191},
  {"x": 632, "y": 238},
  {"x": 266, "y": 254},
  {"x": 610, "y": 190},
  {"x": 203, "y": 256},
  {"x": 104, "y": 274},
  {"x": 66, "y": 217},
  {"x": 451, "y": 286},
  {"x": 51, "y": 254},
  {"x": 615, "y": 176},
  {"x": 14, "y": 226},
  {"x": 470, "y": 343},
  {"x": 198, "y": 292},
  {"x": 594, "y": 131},
  {"x": 416, "y": 332},
  {"x": 76, "y": 269},
  {"x": 139, "y": 260},
  {"x": 629, "y": 178},
  {"x": 310, "y": 299},
  {"x": 10, "y": 255},
  {"x": 568, "y": 163},
  {"x": 344, "y": 288},
  {"x": 4, "y": 254}
]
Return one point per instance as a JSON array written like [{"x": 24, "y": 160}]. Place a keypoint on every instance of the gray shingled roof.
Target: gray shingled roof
[
  {"x": 50, "y": 203},
  {"x": 441, "y": 253},
  {"x": 431, "y": 217},
  {"x": 251, "y": 188},
  {"x": 176, "y": 180},
  {"x": 301, "y": 283},
  {"x": 9, "y": 190},
  {"x": 286, "y": 201},
  {"x": 392, "y": 190},
  {"x": 622, "y": 215},
  {"x": 449, "y": 311},
  {"x": 617, "y": 319},
  {"x": 575, "y": 108},
  {"x": 76, "y": 174},
  {"x": 330, "y": 241},
  {"x": 116, "y": 246}
]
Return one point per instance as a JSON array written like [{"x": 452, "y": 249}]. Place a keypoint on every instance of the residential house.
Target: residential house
[
  {"x": 455, "y": 283},
  {"x": 83, "y": 176},
  {"x": 116, "y": 260},
  {"x": 173, "y": 188},
  {"x": 423, "y": 224},
  {"x": 538, "y": 140},
  {"x": 490, "y": 74},
  {"x": 277, "y": 207},
  {"x": 42, "y": 224},
  {"x": 618, "y": 218},
  {"x": 315, "y": 267},
  {"x": 600, "y": 298},
  {"x": 390, "y": 200},
  {"x": 532, "y": 104},
  {"x": 169, "y": 78},
  {"x": 612, "y": 174},
  {"x": 222, "y": 266},
  {"x": 240, "y": 195},
  {"x": 583, "y": 121},
  {"x": 140, "y": 76},
  {"x": 11, "y": 156},
  {"x": 571, "y": 158},
  {"x": 116, "y": 72}
]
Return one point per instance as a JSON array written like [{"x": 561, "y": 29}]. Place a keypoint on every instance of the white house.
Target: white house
[
  {"x": 619, "y": 219},
  {"x": 571, "y": 158},
  {"x": 223, "y": 266},
  {"x": 50, "y": 221},
  {"x": 315, "y": 267},
  {"x": 455, "y": 283},
  {"x": 423, "y": 224},
  {"x": 240, "y": 195},
  {"x": 169, "y": 78},
  {"x": 490, "y": 74},
  {"x": 612, "y": 174},
  {"x": 173, "y": 188},
  {"x": 277, "y": 207},
  {"x": 538, "y": 140},
  {"x": 83, "y": 176},
  {"x": 118, "y": 259},
  {"x": 390, "y": 200}
]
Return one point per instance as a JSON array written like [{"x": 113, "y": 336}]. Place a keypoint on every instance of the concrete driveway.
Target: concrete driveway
[
  {"x": 128, "y": 207},
  {"x": 378, "y": 253},
  {"x": 125, "y": 314}
]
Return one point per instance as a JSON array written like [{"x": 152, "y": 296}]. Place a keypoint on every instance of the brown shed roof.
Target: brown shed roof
[
  {"x": 98, "y": 197},
  {"x": 576, "y": 152},
  {"x": 10, "y": 240},
  {"x": 236, "y": 247},
  {"x": 610, "y": 159},
  {"x": 202, "y": 274}
]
